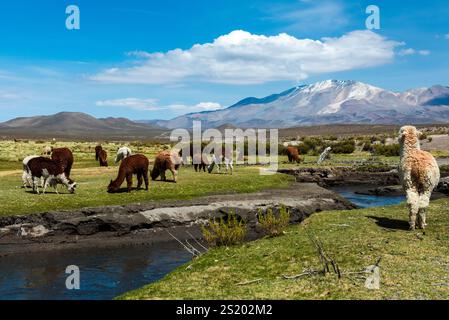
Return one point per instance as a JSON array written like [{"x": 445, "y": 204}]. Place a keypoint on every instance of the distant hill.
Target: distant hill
[
  {"x": 329, "y": 102},
  {"x": 81, "y": 126}
]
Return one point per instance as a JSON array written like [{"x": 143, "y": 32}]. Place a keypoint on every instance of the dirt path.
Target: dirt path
[{"x": 148, "y": 223}]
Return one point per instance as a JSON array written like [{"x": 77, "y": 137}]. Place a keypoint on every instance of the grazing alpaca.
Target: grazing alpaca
[
  {"x": 122, "y": 153},
  {"x": 137, "y": 164},
  {"x": 97, "y": 152},
  {"x": 51, "y": 171},
  {"x": 166, "y": 160},
  {"x": 200, "y": 162},
  {"x": 65, "y": 157},
  {"x": 103, "y": 158},
  {"x": 325, "y": 155},
  {"x": 293, "y": 154},
  {"x": 419, "y": 174}
]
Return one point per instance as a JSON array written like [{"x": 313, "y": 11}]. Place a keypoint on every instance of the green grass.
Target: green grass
[
  {"x": 413, "y": 265},
  {"x": 92, "y": 184}
]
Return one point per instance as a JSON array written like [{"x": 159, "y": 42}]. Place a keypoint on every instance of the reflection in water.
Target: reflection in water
[
  {"x": 367, "y": 201},
  {"x": 105, "y": 273}
]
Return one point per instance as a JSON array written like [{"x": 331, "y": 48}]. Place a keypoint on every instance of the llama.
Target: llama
[
  {"x": 293, "y": 154},
  {"x": 122, "y": 153},
  {"x": 52, "y": 171},
  {"x": 166, "y": 160},
  {"x": 200, "y": 162},
  {"x": 103, "y": 158},
  {"x": 65, "y": 157},
  {"x": 137, "y": 164},
  {"x": 419, "y": 174}
]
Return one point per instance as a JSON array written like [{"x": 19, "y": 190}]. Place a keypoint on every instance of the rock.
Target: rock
[{"x": 373, "y": 280}]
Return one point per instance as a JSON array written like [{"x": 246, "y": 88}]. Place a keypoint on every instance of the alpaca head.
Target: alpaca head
[
  {"x": 112, "y": 188},
  {"x": 409, "y": 136}
]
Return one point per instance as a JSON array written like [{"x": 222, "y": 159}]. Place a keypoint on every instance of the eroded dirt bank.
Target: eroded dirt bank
[{"x": 149, "y": 222}]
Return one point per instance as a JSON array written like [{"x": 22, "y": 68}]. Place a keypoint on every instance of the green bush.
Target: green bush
[
  {"x": 274, "y": 225},
  {"x": 346, "y": 146},
  {"x": 392, "y": 150},
  {"x": 225, "y": 232}
]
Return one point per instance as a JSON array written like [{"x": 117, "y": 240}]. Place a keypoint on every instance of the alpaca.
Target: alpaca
[
  {"x": 293, "y": 154},
  {"x": 166, "y": 160},
  {"x": 46, "y": 151},
  {"x": 122, "y": 153},
  {"x": 419, "y": 174},
  {"x": 103, "y": 158},
  {"x": 52, "y": 171},
  {"x": 325, "y": 155},
  {"x": 137, "y": 164},
  {"x": 200, "y": 162},
  {"x": 225, "y": 157},
  {"x": 65, "y": 157},
  {"x": 97, "y": 152}
]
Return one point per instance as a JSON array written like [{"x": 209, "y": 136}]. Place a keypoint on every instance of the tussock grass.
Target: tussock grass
[{"x": 413, "y": 265}]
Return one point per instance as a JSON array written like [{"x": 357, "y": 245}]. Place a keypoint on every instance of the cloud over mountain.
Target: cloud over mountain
[{"x": 244, "y": 58}]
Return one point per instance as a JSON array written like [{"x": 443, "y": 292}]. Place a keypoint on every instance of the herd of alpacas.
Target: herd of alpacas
[{"x": 418, "y": 170}]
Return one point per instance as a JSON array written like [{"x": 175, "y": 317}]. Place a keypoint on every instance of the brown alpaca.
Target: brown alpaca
[
  {"x": 293, "y": 154},
  {"x": 200, "y": 162},
  {"x": 166, "y": 160},
  {"x": 65, "y": 157},
  {"x": 97, "y": 152},
  {"x": 137, "y": 164},
  {"x": 103, "y": 158}
]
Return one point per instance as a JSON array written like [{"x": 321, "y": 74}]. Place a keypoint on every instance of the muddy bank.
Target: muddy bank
[
  {"x": 338, "y": 176},
  {"x": 148, "y": 223}
]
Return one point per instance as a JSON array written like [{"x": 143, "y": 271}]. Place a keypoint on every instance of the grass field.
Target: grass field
[{"x": 413, "y": 265}]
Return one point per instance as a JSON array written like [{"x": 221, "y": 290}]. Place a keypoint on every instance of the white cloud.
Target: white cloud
[
  {"x": 244, "y": 58},
  {"x": 411, "y": 51},
  {"x": 152, "y": 105}
]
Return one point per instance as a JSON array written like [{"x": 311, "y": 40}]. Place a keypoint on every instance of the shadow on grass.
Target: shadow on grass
[
  {"x": 125, "y": 190},
  {"x": 392, "y": 224}
]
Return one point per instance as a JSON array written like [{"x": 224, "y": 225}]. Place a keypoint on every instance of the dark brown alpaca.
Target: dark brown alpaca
[
  {"x": 200, "y": 162},
  {"x": 137, "y": 164},
  {"x": 103, "y": 158},
  {"x": 166, "y": 160},
  {"x": 97, "y": 152},
  {"x": 293, "y": 154},
  {"x": 65, "y": 157}
]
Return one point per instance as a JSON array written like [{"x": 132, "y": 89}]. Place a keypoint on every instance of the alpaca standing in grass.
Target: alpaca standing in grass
[
  {"x": 419, "y": 174},
  {"x": 27, "y": 179}
]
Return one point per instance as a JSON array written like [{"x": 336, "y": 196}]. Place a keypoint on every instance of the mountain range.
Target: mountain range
[
  {"x": 79, "y": 125},
  {"x": 328, "y": 102}
]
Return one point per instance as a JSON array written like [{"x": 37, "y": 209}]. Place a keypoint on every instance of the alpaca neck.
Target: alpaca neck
[
  {"x": 407, "y": 147},
  {"x": 120, "y": 178}
]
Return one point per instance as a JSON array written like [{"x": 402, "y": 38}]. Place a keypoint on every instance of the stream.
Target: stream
[{"x": 107, "y": 273}]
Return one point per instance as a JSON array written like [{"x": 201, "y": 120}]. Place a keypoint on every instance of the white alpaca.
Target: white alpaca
[
  {"x": 419, "y": 174},
  {"x": 123, "y": 153},
  {"x": 216, "y": 161}
]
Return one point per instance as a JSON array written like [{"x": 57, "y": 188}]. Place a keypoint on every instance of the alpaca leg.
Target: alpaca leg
[
  {"x": 145, "y": 177},
  {"x": 175, "y": 175},
  {"x": 139, "y": 180},
  {"x": 413, "y": 205},
  {"x": 424, "y": 200},
  {"x": 46, "y": 183},
  {"x": 163, "y": 177},
  {"x": 196, "y": 167},
  {"x": 129, "y": 182}
]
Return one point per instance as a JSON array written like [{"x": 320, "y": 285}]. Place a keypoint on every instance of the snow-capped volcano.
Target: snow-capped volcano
[{"x": 330, "y": 102}]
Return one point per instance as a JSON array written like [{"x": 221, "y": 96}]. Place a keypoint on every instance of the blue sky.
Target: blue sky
[{"x": 123, "y": 62}]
